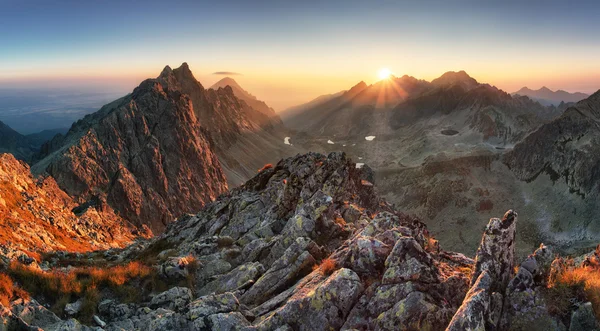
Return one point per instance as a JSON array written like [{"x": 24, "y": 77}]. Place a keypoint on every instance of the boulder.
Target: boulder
[{"x": 174, "y": 299}]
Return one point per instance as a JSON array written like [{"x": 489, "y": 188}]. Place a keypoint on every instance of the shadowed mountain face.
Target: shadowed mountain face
[
  {"x": 567, "y": 149},
  {"x": 548, "y": 97},
  {"x": 15, "y": 143},
  {"x": 388, "y": 105},
  {"x": 245, "y": 96}
]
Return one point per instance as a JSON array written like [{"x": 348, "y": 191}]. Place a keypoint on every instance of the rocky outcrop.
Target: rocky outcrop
[
  {"x": 482, "y": 308},
  {"x": 308, "y": 245},
  {"x": 37, "y": 216}
]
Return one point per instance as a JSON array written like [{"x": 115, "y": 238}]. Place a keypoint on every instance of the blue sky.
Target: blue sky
[{"x": 291, "y": 51}]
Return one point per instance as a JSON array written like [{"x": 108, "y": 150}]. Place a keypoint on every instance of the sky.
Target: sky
[{"x": 289, "y": 52}]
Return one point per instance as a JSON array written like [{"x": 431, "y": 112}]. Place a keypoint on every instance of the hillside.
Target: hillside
[{"x": 36, "y": 216}]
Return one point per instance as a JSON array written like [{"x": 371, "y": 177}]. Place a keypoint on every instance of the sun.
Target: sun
[{"x": 384, "y": 73}]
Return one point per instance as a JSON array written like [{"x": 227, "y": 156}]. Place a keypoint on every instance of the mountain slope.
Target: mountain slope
[
  {"x": 360, "y": 110},
  {"x": 40, "y": 138},
  {"x": 566, "y": 148},
  {"x": 146, "y": 152},
  {"x": 166, "y": 149},
  {"x": 548, "y": 97},
  {"x": 245, "y": 96},
  {"x": 15, "y": 143},
  {"x": 37, "y": 216},
  {"x": 245, "y": 139}
]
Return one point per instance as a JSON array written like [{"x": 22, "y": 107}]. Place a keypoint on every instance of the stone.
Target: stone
[
  {"x": 584, "y": 319},
  {"x": 73, "y": 308},
  {"x": 296, "y": 262},
  {"x": 234, "y": 279},
  {"x": 98, "y": 321},
  {"x": 174, "y": 299}
]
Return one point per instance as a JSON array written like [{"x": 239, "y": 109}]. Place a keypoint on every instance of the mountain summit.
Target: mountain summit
[
  {"x": 244, "y": 95},
  {"x": 456, "y": 78}
]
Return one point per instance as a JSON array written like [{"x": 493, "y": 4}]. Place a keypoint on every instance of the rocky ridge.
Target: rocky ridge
[{"x": 308, "y": 245}]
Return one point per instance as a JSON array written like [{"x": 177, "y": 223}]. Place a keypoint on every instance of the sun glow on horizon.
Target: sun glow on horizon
[{"x": 384, "y": 73}]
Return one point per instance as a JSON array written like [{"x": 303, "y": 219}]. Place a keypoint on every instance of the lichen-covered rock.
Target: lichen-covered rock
[
  {"x": 321, "y": 304},
  {"x": 174, "y": 299},
  {"x": 296, "y": 262},
  {"x": 225, "y": 322},
  {"x": 496, "y": 251},
  {"x": 241, "y": 276},
  {"x": 408, "y": 261},
  {"x": 584, "y": 319}
]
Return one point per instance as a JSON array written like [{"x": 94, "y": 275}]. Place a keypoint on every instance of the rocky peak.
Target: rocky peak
[
  {"x": 146, "y": 152},
  {"x": 354, "y": 90},
  {"x": 456, "y": 78}
]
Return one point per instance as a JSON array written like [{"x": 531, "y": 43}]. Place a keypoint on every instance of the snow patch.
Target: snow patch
[
  {"x": 369, "y": 138},
  {"x": 330, "y": 142},
  {"x": 359, "y": 165},
  {"x": 286, "y": 141}
]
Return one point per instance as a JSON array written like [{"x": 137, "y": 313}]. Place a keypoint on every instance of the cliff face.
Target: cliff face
[
  {"x": 36, "y": 215},
  {"x": 147, "y": 152}
]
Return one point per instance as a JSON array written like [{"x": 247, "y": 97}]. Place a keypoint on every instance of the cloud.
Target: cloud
[{"x": 227, "y": 73}]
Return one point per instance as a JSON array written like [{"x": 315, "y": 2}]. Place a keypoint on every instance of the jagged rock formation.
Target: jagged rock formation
[
  {"x": 482, "y": 308},
  {"x": 248, "y": 98},
  {"x": 37, "y": 216},
  {"x": 146, "y": 152},
  {"x": 260, "y": 245},
  {"x": 548, "y": 97}
]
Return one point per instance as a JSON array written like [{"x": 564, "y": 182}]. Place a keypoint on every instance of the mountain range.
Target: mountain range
[
  {"x": 548, "y": 97},
  {"x": 178, "y": 207}
]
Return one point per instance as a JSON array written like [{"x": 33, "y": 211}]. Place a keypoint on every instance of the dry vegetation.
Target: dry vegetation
[
  {"x": 575, "y": 284},
  {"x": 265, "y": 167},
  {"x": 327, "y": 266},
  {"x": 131, "y": 282}
]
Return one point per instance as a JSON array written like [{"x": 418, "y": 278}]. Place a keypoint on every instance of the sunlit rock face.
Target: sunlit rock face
[
  {"x": 37, "y": 216},
  {"x": 146, "y": 152}
]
